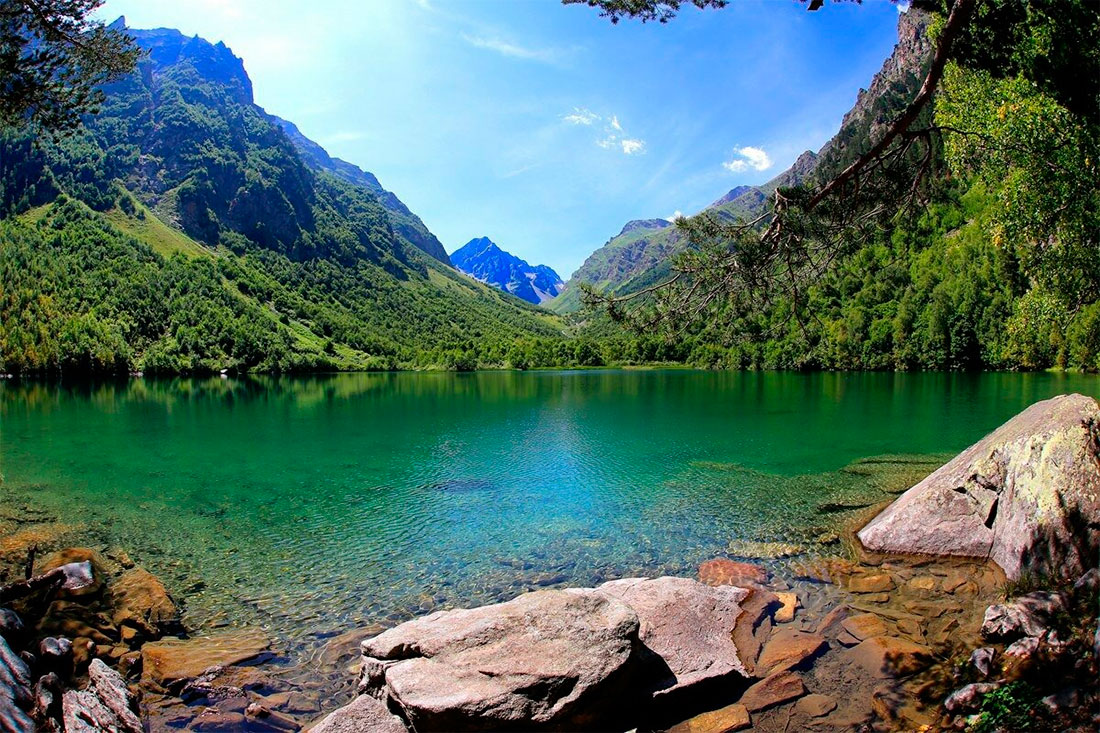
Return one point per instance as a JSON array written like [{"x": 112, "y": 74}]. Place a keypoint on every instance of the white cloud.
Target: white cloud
[
  {"x": 581, "y": 116},
  {"x": 613, "y": 137},
  {"x": 746, "y": 158},
  {"x": 512, "y": 50},
  {"x": 676, "y": 215}
]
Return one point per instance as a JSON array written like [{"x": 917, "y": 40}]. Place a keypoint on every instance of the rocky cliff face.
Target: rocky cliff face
[
  {"x": 627, "y": 263},
  {"x": 485, "y": 261}
]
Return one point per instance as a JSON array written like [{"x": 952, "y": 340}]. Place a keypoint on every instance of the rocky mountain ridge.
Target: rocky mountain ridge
[{"x": 483, "y": 260}]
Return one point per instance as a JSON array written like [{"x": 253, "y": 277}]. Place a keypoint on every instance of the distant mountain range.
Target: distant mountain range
[
  {"x": 641, "y": 254},
  {"x": 482, "y": 259}
]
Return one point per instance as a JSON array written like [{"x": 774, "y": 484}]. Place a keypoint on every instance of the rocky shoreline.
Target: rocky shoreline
[{"x": 975, "y": 610}]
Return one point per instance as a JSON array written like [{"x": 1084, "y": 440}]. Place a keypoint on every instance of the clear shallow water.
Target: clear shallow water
[{"x": 312, "y": 505}]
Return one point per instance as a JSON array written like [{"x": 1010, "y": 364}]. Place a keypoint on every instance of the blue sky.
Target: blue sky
[{"x": 542, "y": 126}]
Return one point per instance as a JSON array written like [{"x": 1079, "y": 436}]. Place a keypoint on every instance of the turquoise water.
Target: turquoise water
[{"x": 311, "y": 505}]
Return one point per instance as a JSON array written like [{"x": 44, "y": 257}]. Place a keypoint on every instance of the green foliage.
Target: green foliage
[{"x": 1011, "y": 707}]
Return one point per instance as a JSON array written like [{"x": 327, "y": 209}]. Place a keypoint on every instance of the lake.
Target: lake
[{"x": 311, "y": 505}]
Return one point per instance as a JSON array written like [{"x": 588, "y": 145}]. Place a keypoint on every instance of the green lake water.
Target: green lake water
[{"x": 312, "y": 505}]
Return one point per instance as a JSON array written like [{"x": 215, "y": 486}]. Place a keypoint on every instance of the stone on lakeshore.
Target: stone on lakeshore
[
  {"x": 140, "y": 600},
  {"x": 545, "y": 659},
  {"x": 864, "y": 626},
  {"x": 877, "y": 583},
  {"x": 171, "y": 661},
  {"x": 16, "y": 696},
  {"x": 364, "y": 713},
  {"x": 754, "y": 626},
  {"x": 723, "y": 571},
  {"x": 785, "y": 613},
  {"x": 773, "y": 690},
  {"x": 724, "y": 720},
  {"x": 687, "y": 624},
  {"x": 1021, "y": 657},
  {"x": 815, "y": 706},
  {"x": 73, "y": 587},
  {"x": 969, "y": 699},
  {"x": 1026, "y": 496},
  {"x": 788, "y": 648},
  {"x": 1027, "y": 615},
  {"x": 11, "y": 625},
  {"x": 982, "y": 660},
  {"x": 104, "y": 706},
  {"x": 890, "y": 656}
]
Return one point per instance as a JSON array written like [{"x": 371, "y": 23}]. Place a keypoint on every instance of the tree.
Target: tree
[
  {"x": 53, "y": 57},
  {"x": 1023, "y": 80}
]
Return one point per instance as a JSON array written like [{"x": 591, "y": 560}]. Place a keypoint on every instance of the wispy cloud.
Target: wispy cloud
[
  {"x": 746, "y": 158},
  {"x": 613, "y": 136},
  {"x": 581, "y": 116},
  {"x": 513, "y": 50}
]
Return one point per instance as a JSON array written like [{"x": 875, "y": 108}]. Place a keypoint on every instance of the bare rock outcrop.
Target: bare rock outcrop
[
  {"x": 557, "y": 659},
  {"x": 1027, "y": 496}
]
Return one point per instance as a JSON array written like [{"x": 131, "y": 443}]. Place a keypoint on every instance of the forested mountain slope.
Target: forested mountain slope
[{"x": 183, "y": 229}]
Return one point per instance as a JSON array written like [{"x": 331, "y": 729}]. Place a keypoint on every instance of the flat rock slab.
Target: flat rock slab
[
  {"x": 730, "y": 718},
  {"x": 787, "y": 648},
  {"x": 890, "y": 656},
  {"x": 548, "y": 658},
  {"x": 170, "y": 661},
  {"x": 1026, "y": 496},
  {"x": 815, "y": 706},
  {"x": 687, "y": 624},
  {"x": 864, "y": 626},
  {"x": 362, "y": 714},
  {"x": 773, "y": 690},
  {"x": 140, "y": 600},
  {"x": 723, "y": 571}
]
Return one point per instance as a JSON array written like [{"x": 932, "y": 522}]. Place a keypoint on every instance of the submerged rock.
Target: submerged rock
[
  {"x": 1026, "y": 496},
  {"x": 723, "y": 571},
  {"x": 175, "y": 661},
  {"x": 140, "y": 600}
]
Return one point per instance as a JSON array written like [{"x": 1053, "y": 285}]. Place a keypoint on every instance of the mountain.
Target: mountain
[
  {"x": 631, "y": 261},
  {"x": 483, "y": 260},
  {"x": 183, "y": 228}
]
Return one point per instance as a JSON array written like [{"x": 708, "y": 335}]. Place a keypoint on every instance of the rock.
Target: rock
[
  {"x": 889, "y": 656},
  {"x": 785, "y": 613},
  {"x": 86, "y": 581},
  {"x": 221, "y": 721},
  {"x": 364, "y": 713},
  {"x": 140, "y": 600},
  {"x": 1021, "y": 657},
  {"x": 1088, "y": 585},
  {"x": 174, "y": 661},
  {"x": 754, "y": 626},
  {"x": 1027, "y": 615},
  {"x": 982, "y": 660},
  {"x": 723, "y": 571},
  {"x": 16, "y": 696},
  {"x": 864, "y": 626},
  {"x": 953, "y": 580},
  {"x": 11, "y": 626},
  {"x": 969, "y": 699},
  {"x": 549, "y": 658},
  {"x": 261, "y": 718},
  {"x": 73, "y": 619},
  {"x": 815, "y": 706},
  {"x": 112, "y": 691},
  {"x": 824, "y": 570},
  {"x": 687, "y": 624},
  {"x": 104, "y": 706},
  {"x": 1025, "y": 496},
  {"x": 1063, "y": 702},
  {"x": 47, "y": 697},
  {"x": 871, "y": 583},
  {"x": 833, "y": 623},
  {"x": 730, "y": 718},
  {"x": 56, "y": 655},
  {"x": 788, "y": 648},
  {"x": 773, "y": 690},
  {"x": 923, "y": 583}
]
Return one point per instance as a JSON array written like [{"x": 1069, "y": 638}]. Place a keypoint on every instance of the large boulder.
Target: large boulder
[
  {"x": 362, "y": 714},
  {"x": 1026, "y": 496},
  {"x": 574, "y": 659},
  {"x": 687, "y": 625},
  {"x": 548, "y": 658}
]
